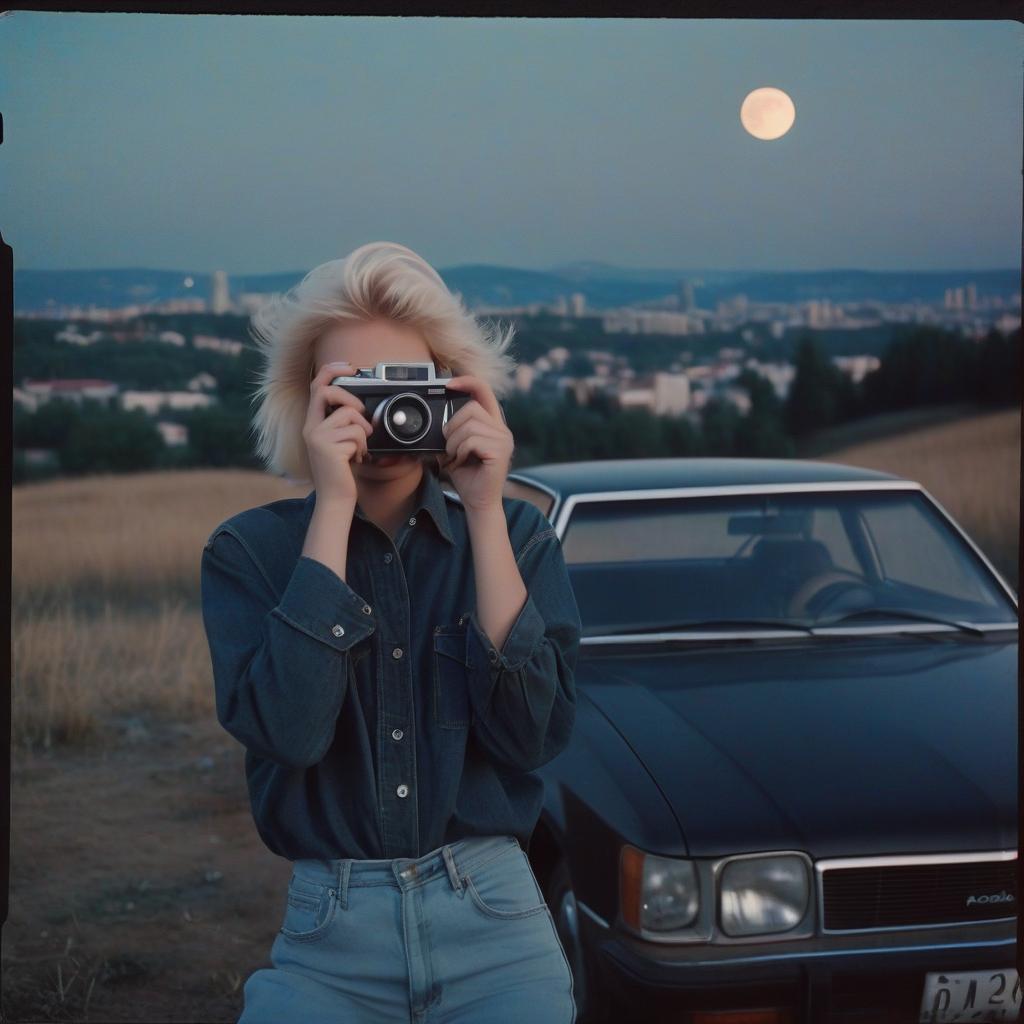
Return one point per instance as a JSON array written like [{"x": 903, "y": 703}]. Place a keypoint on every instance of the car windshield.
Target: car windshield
[{"x": 755, "y": 561}]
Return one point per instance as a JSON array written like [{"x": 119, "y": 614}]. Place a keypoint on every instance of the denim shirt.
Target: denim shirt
[{"x": 379, "y": 720}]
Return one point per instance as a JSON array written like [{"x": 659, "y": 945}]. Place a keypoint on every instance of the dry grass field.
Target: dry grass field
[
  {"x": 105, "y": 594},
  {"x": 139, "y": 889}
]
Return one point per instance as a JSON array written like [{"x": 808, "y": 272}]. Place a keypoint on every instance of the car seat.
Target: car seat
[{"x": 779, "y": 565}]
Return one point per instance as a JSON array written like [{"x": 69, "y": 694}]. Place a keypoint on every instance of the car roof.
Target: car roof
[{"x": 590, "y": 476}]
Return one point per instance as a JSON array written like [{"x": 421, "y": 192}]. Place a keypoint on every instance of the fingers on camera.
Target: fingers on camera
[
  {"x": 355, "y": 416},
  {"x": 357, "y": 438}
]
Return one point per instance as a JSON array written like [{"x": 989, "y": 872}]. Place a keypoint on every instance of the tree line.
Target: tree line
[{"x": 926, "y": 366}]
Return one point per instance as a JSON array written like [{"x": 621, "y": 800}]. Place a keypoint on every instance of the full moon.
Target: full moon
[{"x": 767, "y": 113}]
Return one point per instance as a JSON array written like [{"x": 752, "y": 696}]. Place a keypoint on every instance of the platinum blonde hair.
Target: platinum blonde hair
[{"x": 377, "y": 280}]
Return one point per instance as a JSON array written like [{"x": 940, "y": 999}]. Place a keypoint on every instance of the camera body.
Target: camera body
[{"x": 407, "y": 404}]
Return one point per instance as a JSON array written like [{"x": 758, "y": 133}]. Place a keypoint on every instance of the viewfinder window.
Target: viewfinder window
[{"x": 405, "y": 373}]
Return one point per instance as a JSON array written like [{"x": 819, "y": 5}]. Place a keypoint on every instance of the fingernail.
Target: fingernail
[{"x": 339, "y": 363}]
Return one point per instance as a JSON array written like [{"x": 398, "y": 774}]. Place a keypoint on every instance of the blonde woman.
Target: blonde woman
[{"x": 397, "y": 660}]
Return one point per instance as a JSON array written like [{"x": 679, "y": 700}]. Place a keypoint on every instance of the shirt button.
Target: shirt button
[
  {"x": 403, "y": 790},
  {"x": 397, "y": 734},
  {"x": 412, "y": 520},
  {"x": 338, "y": 630},
  {"x": 367, "y": 609},
  {"x": 493, "y": 656},
  {"x": 397, "y": 652},
  {"x": 387, "y": 557}
]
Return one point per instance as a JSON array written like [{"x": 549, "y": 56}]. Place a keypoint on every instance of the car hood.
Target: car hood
[{"x": 838, "y": 747}]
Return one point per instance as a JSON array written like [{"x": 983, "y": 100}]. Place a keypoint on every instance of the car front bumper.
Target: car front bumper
[{"x": 872, "y": 978}]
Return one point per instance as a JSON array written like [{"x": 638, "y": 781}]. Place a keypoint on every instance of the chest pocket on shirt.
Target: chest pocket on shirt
[{"x": 451, "y": 677}]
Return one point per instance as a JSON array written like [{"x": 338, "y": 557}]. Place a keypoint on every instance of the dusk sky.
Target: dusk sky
[{"x": 260, "y": 144}]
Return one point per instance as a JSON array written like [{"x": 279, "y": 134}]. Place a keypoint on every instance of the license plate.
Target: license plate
[{"x": 952, "y": 997}]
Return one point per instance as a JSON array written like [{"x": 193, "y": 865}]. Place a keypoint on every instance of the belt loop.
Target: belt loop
[
  {"x": 343, "y": 873},
  {"x": 453, "y": 873}
]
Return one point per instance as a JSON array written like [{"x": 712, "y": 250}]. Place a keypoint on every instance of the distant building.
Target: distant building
[
  {"x": 671, "y": 393},
  {"x": 737, "y": 397},
  {"x": 954, "y": 298},
  {"x": 221, "y": 301},
  {"x": 700, "y": 372},
  {"x": 174, "y": 434},
  {"x": 72, "y": 390},
  {"x": 779, "y": 375},
  {"x": 578, "y": 303},
  {"x": 202, "y": 381},
  {"x": 228, "y": 346},
  {"x": 632, "y": 398},
  {"x": 73, "y": 336},
  {"x": 664, "y": 394},
  {"x": 857, "y": 367},
  {"x": 153, "y": 401},
  {"x": 171, "y": 338},
  {"x": 819, "y": 313},
  {"x": 649, "y": 321}
]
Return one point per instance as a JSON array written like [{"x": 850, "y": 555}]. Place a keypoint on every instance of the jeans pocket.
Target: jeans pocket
[
  {"x": 505, "y": 888},
  {"x": 451, "y": 677},
  {"x": 309, "y": 910}
]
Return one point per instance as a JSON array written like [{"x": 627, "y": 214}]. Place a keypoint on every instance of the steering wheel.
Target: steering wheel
[{"x": 842, "y": 579}]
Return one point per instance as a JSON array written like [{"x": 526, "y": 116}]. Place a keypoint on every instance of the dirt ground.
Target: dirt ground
[{"x": 139, "y": 889}]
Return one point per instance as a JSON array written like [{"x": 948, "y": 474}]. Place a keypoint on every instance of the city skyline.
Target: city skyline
[
  {"x": 964, "y": 307},
  {"x": 263, "y": 144}
]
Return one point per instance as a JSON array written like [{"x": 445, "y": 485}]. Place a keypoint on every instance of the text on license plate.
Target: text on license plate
[{"x": 976, "y": 996}]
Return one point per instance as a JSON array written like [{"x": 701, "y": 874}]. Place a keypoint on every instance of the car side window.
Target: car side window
[{"x": 913, "y": 551}]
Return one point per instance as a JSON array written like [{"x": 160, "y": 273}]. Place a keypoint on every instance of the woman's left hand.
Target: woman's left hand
[{"x": 478, "y": 445}]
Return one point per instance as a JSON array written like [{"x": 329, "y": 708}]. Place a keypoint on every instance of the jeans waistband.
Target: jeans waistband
[{"x": 453, "y": 859}]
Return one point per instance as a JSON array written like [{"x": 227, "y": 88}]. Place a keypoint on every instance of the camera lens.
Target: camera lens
[{"x": 407, "y": 418}]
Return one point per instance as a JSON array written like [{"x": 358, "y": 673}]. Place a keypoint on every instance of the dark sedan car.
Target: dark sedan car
[{"x": 791, "y": 792}]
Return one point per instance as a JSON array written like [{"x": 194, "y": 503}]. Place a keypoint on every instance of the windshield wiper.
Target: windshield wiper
[
  {"x": 674, "y": 626},
  {"x": 907, "y": 613}
]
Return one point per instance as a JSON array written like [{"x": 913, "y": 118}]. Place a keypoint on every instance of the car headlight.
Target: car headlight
[
  {"x": 761, "y": 895},
  {"x": 658, "y": 894}
]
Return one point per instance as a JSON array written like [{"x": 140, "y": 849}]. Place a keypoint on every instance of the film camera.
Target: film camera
[{"x": 407, "y": 404}]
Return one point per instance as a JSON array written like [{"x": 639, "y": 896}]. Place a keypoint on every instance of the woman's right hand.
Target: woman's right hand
[{"x": 334, "y": 438}]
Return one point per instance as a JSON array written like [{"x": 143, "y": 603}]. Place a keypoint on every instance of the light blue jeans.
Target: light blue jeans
[{"x": 461, "y": 935}]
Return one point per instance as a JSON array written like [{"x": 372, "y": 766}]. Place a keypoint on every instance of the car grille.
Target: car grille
[{"x": 917, "y": 895}]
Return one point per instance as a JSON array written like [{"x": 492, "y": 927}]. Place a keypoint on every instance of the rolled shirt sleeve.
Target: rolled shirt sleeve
[
  {"x": 524, "y": 696},
  {"x": 280, "y": 665}
]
